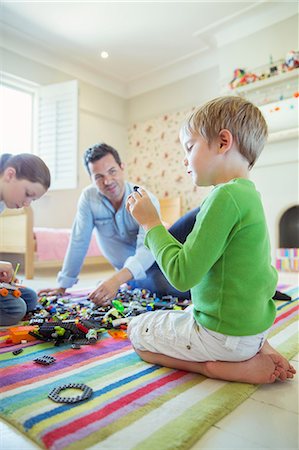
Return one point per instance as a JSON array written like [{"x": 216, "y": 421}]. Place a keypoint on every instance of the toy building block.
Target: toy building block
[
  {"x": 92, "y": 336},
  {"x": 118, "y": 334},
  {"x": 17, "y": 334},
  {"x": 56, "y": 397},
  {"x": 17, "y": 352},
  {"x": 45, "y": 360}
]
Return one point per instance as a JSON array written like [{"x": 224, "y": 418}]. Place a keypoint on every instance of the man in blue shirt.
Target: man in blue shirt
[{"x": 102, "y": 206}]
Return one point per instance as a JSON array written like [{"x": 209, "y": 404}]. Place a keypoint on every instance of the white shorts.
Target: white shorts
[{"x": 175, "y": 333}]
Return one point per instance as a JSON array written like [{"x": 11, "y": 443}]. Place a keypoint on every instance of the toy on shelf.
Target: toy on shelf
[
  {"x": 292, "y": 60},
  {"x": 243, "y": 77}
]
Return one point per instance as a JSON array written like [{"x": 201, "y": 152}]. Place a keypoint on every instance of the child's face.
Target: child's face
[
  {"x": 17, "y": 193},
  {"x": 200, "y": 159}
]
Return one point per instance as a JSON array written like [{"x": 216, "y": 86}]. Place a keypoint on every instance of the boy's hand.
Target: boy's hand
[
  {"x": 6, "y": 272},
  {"x": 142, "y": 209}
]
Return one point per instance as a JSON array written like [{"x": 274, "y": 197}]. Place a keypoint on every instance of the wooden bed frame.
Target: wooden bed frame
[{"x": 17, "y": 236}]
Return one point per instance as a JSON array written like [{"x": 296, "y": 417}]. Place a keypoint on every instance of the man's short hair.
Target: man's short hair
[
  {"x": 97, "y": 152},
  {"x": 236, "y": 114}
]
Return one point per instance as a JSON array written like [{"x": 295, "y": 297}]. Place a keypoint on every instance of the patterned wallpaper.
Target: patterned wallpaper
[{"x": 156, "y": 159}]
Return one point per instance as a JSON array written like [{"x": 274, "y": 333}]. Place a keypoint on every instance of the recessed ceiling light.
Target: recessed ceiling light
[{"x": 104, "y": 55}]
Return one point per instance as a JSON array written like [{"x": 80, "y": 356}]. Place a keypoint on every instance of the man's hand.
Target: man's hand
[
  {"x": 51, "y": 291},
  {"x": 6, "y": 272},
  {"x": 142, "y": 209},
  {"x": 105, "y": 292}
]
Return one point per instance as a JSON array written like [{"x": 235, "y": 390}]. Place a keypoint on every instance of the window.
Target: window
[
  {"x": 42, "y": 120},
  {"x": 16, "y": 117}
]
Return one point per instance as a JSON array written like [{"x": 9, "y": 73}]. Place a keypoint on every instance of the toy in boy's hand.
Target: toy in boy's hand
[
  {"x": 14, "y": 276},
  {"x": 136, "y": 189},
  {"x": 9, "y": 288}
]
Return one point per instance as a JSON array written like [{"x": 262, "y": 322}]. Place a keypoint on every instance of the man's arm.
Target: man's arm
[
  {"x": 78, "y": 245},
  {"x": 77, "y": 248},
  {"x": 107, "y": 289}
]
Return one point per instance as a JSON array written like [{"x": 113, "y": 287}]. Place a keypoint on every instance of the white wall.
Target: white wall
[
  {"x": 276, "y": 178},
  {"x": 183, "y": 94}
]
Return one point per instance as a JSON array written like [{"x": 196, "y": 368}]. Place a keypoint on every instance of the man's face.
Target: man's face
[{"x": 108, "y": 176}]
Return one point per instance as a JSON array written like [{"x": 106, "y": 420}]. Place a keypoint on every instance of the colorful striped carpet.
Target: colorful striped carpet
[{"x": 134, "y": 405}]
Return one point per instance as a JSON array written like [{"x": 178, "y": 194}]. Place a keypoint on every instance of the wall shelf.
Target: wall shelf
[
  {"x": 276, "y": 90},
  {"x": 292, "y": 133},
  {"x": 262, "y": 84}
]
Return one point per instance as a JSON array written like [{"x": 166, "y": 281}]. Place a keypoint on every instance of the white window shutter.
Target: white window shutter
[{"x": 57, "y": 137}]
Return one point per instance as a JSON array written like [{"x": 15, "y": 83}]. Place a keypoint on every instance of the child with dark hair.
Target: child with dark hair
[{"x": 23, "y": 179}]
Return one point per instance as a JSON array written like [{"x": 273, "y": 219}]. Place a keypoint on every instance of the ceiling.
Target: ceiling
[{"x": 150, "y": 44}]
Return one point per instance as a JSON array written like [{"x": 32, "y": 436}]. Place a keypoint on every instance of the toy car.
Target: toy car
[{"x": 7, "y": 288}]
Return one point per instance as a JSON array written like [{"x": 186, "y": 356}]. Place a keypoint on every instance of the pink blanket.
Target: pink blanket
[{"x": 51, "y": 244}]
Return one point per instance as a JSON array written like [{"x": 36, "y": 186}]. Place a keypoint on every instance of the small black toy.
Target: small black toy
[
  {"x": 45, "y": 360},
  {"x": 56, "y": 397},
  {"x": 17, "y": 352},
  {"x": 136, "y": 189}
]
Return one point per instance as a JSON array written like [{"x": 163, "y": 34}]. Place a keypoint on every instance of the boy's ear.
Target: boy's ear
[
  {"x": 225, "y": 139},
  {"x": 9, "y": 173}
]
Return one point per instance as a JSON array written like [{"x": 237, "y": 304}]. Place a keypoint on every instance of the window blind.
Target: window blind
[{"x": 57, "y": 132}]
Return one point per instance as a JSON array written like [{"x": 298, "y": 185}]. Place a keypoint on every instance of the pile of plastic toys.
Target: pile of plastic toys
[{"x": 76, "y": 320}]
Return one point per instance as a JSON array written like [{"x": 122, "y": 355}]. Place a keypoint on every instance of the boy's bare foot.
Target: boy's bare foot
[
  {"x": 285, "y": 368},
  {"x": 261, "y": 369}
]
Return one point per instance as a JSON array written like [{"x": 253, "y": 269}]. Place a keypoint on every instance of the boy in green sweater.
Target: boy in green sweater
[{"x": 225, "y": 261}]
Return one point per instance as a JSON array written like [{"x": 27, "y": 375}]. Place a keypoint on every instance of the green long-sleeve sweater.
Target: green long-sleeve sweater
[{"x": 225, "y": 261}]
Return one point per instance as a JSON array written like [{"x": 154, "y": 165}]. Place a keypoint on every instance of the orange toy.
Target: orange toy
[
  {"x": 17, "y": 334},
  {"x": 3, "y": 292},
  {"x": 118, "y": 334},
  {"x": 16, "y": 293}
]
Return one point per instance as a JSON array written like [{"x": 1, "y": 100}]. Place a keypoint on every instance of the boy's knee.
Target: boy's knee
[
  {"x": 30, "y": 297},
  {"x": 12, "y": 312}
]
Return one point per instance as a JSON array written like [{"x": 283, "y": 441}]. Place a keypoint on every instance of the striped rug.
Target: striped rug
[{"x": 134, "y": 405}]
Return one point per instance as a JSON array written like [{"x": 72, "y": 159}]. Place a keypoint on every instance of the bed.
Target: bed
[
  {"x": 40, "y": 247},
  {"x": 46, "y": 247}
]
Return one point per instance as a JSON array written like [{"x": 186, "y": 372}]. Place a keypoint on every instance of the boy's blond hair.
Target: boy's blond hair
[{"x": 243, "y": 119}]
